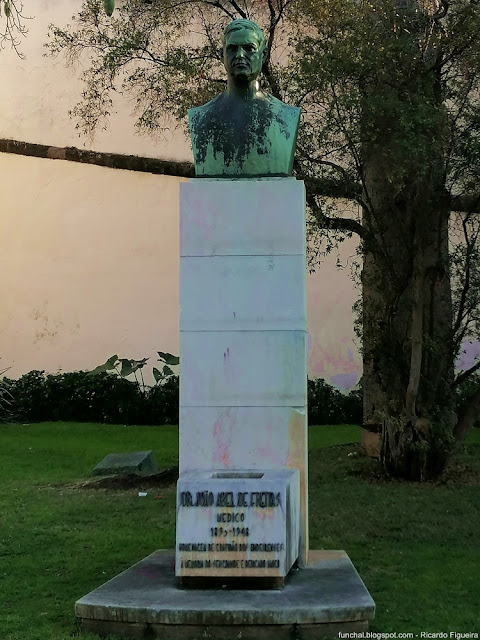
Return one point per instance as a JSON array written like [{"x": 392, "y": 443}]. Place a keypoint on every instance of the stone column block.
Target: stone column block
[
  {"x": 243, "y": 368},
  {"x": 243, "y": 293},
  {"x": 242, "y": 217}
]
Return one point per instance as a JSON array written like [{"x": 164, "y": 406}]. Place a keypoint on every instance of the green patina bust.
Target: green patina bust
[{"x": 243, "y": 132}]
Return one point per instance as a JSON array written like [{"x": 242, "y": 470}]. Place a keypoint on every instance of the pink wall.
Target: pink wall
[
  {"x": 90, "y": 268},
  {"x": 90, "y": 255}
]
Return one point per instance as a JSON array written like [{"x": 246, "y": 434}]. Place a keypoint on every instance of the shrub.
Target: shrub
[
  {"x": 6, "y": 398},
  {"x": 31, "y": 404},
  {"x": 109, "y": 398},
  {"x": 353, "y": 407},
  {"x": 79, "y": 397},
  {"x": 327, "y": 405},
  {"x": 162, "y": 402}
]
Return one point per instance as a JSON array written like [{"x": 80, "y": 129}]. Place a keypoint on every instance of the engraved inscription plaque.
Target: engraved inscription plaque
[{"x": 237, "y": 523}]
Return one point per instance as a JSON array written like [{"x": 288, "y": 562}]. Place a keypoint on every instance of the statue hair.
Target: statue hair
[{"x": 237, "y": 25}]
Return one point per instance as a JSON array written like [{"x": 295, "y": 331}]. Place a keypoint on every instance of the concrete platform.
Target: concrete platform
[{"x": 145, "y": 601}]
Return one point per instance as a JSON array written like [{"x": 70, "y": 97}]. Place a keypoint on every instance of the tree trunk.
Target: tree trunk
[{"x": 407, "y": 326}]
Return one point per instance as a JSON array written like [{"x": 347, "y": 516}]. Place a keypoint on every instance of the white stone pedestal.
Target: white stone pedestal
[
  {"x": 243, "y": 392},
  {"x": 243, "y": 328}
]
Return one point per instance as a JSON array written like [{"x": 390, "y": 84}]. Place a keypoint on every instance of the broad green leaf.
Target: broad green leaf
[
  {"x": 109, "y": 6},
  {"x": 168, "y": 358},
  {"x": 130, "y": 366},
  {"x": 107, "y": 366},
  {"x": 127, "y": 367},
  {"x": 157, "y": 374},
  {"x": 167, "y": 371}
]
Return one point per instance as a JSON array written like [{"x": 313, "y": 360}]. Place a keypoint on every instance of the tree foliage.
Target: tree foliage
[
  {"x": 12, "y": 24},
  {"x": 389, "y": 91}
]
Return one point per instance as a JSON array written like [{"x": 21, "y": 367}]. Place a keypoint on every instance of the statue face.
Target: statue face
[{"x": 243, "y": 55}]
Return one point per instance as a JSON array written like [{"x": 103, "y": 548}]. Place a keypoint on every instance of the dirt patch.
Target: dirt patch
[
  {"x": 162, "y": 479},
  {"x": 460, "y": 472},
  {"x": 462, "y": 468}
]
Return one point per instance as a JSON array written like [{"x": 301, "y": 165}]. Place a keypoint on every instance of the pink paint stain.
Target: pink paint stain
[{"x": 222, "y": 439}]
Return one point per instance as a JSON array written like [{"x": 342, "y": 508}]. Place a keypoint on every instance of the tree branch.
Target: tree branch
[
  {"x": 348, "y": 225},
  {"x": 440, "y": 63},
  {"x": 220, "y": 6},
  {"x": 465, "y": 374},
  {"x": 13, "y": 25},
  {"x": 469, "y": 203},
  {"x": 327, "y": 186},
  {"x": 460, "y": 335},
  {"x": 466, "y": 281},
  {"x": 442, "y": 10},
  {"x": 111, "y": 160},
  {"x": 267, "y": 65},
  {"x": 238, "y": 9}
]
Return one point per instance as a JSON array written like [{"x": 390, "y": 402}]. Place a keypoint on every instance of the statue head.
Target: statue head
[{"x": 244, "y": 50}]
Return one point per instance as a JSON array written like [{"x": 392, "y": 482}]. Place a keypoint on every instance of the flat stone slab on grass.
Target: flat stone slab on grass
[
  {"x": 140, "y": 463},
  {"x": 145, "y": 601}
]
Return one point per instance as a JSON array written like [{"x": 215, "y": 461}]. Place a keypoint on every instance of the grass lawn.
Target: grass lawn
[{"x": 417, "y": 547}]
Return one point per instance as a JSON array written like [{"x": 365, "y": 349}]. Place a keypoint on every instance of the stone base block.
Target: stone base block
[
  {"x": 318, "y": 601},
  {"x": 240, "y": 523},
  {"x": 218, "y": 632}
]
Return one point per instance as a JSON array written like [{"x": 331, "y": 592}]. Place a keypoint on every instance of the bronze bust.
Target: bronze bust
[{"x": 243, "y": 132}]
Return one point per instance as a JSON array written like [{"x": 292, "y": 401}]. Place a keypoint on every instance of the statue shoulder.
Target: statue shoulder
[
  {"x": 198, "y": 112},
  {"x": 285, "y": 110}
]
